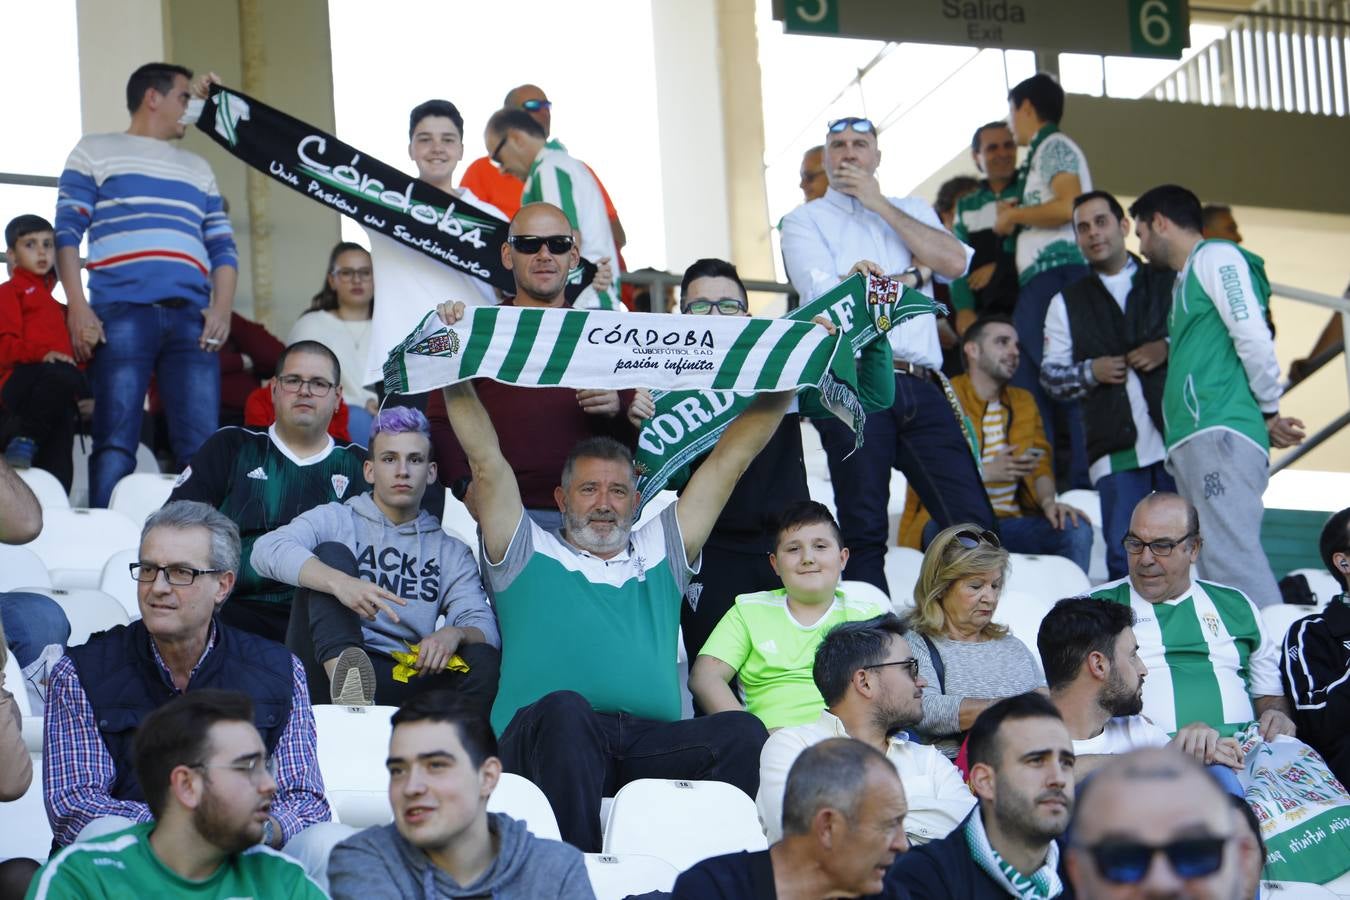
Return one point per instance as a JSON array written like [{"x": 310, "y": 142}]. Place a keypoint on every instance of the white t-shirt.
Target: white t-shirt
[
  {"x": 350, "y": 342},
  {"x": 1121, "y": 735}
]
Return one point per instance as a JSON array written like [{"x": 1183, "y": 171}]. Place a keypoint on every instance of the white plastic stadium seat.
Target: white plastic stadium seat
[
  {"x": 456, "y": 522},
  {"x": 902, "y": 571},
  {"x": 353, "y": 743},
  {"x": 1323, "y": 586},
  {"x": 24, "y": 830},
  {"x": 522, "y": 799},
  {"x": 75, "y": 543},
  {"x": 1022, "y": 613},
  {"x": 49, "y": 493},
  {"x": 1089, "y": 502},
  {"x": 20, "y": 565},
  {"x": 116, "y": 581},
  {"x": 139, "y": 494},
  {"x": 682, "y": 822},
  {"x": 862, "y": 590},
  {"x": 616, "y": 877},
  {"x": 1045, "y": 576},
  {"x": 89, "y": 610},
  {"x": 79, "y": 486},
  {"x": 1279, "y": 617}
]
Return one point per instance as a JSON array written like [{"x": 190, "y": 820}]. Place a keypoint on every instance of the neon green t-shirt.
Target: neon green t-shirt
[
  {"x": 123, "y": 865},
  {"x": 773, "y": 653}
]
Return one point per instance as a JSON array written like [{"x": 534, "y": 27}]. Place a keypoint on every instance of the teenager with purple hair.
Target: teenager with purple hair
[{"x": 375, "y": 576}]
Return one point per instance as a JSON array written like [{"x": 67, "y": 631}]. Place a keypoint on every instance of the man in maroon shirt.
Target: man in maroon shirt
[{"x": 537, "y": 427}]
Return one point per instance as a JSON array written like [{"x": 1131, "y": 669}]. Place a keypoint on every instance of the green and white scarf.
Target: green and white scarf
[{"x": 1043, "y": 884}]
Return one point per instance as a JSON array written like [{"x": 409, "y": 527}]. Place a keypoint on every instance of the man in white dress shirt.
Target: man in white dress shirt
[
  {"x": 920, "y": 434},
  {"x": 865, "y": 672}
]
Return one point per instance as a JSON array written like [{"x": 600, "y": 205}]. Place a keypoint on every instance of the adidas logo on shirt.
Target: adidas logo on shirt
[{"x": 258, "y": 473}]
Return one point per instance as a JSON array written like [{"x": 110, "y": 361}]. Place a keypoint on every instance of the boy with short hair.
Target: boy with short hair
[
  {"x": 375, "y": 574},
  {"x": 768, "y": 639},
  {"x": 39, "y": 383}
]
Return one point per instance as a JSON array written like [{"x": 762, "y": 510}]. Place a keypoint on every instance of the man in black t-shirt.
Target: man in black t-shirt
[{"x": 264, "y": 479}]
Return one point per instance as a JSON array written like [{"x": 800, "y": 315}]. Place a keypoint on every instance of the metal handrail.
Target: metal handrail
[
  {"x": 29, "y": 180},
  {"x": 1340, "y": 305}
]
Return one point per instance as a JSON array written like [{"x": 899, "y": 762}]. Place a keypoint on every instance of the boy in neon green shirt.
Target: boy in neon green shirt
[{"x": 768, "y": 639}]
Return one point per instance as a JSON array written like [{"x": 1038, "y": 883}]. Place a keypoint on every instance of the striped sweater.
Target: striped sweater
[{"x": 154, "y": 217}]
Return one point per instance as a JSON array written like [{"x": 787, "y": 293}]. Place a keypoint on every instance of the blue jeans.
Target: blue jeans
[
  {"x": 358, "y": 424},
  {"x": 1120, "y": 492},
  {"x": 146, "y": 339},
  {"x": 1037, "y": 535},
  {"x": 919, "y": 436},
  {"x": 1033, "y": 301},
  {"x": 32, "y": 623}
]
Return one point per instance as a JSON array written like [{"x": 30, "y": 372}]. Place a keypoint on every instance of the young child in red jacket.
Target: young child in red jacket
[{"x": 40, "y": 384}]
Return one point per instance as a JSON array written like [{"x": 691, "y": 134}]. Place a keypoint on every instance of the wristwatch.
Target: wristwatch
[{"x": 269, "y": 830}]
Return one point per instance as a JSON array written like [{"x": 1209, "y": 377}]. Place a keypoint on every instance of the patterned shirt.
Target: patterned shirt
[
  {"x": 1039, "y": 250},
  {"x": 569, "y": 185},
  {"x": 78, "y": 771}
]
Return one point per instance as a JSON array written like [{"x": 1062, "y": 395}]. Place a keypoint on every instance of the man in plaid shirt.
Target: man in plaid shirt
[{"x": 100, "y": 691}]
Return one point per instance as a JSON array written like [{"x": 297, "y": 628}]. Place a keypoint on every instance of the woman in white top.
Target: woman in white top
[{"x": 339, "y": 318}]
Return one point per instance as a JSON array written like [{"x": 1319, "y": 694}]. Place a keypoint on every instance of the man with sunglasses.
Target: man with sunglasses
[
  {"x": 870, "y": 680},
  {"x": 101, "y": 691},
  {"x": 919, "y": 434},
  {"x": 537, "y": 427},
  {"x": 262, "y": 480},
  {"x": 1204, "y": 644},
  {"x": 1153, "y": 823},
  {"x": 210, "y": 785},
  {"x": 519, "y": 146}
]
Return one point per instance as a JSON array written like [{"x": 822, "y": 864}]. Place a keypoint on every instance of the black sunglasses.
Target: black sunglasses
[
  {"x": 530, "y": 244},
  {"x": 1127, "y": 863},
  {"x": 863, "y": 126},
  {"x": 911, "y": 665},
  {"x": 495, "y": 155},
  {"x": 971, "y": 539}
]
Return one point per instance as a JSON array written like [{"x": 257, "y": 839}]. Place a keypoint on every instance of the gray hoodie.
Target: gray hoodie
[
  {"x": 378, "y": 863},
  {"x": 417, "y": 561}
]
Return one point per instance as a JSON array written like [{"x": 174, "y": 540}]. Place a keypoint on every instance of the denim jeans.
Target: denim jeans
[
  {"x": 1033, "y": 301},
  {"x": 919, "y": 436},
  {"x": 1037, "y": 535},
  {"x": 1120, "y": 492},
  {"x": 577, "y": 756},
  {"x": 358, "y": 424},
  {"x": 32, "y": 623},
  {"x": 146, "y": 339}
]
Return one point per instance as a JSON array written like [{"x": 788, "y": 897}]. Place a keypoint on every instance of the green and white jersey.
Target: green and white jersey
[
  {"x": 1052, "y": 153},
  {"x": 557, "y": 178},
  {"x": 123, "y": 865},
  {"x": 605, "y": 628},
  {"x": 1207, "y": 654},
  {"x": 773, "y": 653},
  {"x": 1221, "y": 368}
]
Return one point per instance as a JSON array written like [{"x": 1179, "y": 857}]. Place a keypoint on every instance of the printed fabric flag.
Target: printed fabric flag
[
  {"x": 451, "y": 230},
  {"x": 688, "y": 423}
]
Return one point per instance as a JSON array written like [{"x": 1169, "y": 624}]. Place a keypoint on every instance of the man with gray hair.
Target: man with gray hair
[
  {"x": 101, "y": 690},
  {"x": 843, "y": 825}
]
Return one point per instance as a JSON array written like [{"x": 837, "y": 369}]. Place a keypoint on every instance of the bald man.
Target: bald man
[
  {"x": 814, "y": 180},
  {"x": 1147, "y": 801},
  {"x": 537, "y": 427}
]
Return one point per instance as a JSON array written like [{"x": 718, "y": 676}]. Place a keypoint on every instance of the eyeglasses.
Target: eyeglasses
[
  {"x": 530, "y": 244},
  {"x": 862, "y": 126},
  {"x": 1128, "y": 863},
  {"x": 319, "y": 387},
  {"x": 725, "y": 306},
  {"x": 254, "y": 767},
  {"x": 972, "y": 539},
  {"x": 1161, "y": 547},
  {"x": 349, "y": 274},
  {"x": 177, "y": 575},
  {"x": 496, "y": 154},
  {"x": 911, "y": 664},
  {"x": 536, "y": 105}
]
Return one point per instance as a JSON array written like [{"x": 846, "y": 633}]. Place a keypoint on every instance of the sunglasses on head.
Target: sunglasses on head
[
  {"x": 1127, "y": 863},
  {"x": 863, "y": 126},
  {"x": 530, "y": 244},
  {"x": 970, "y": 539},
  {"x": 536, "y": 105}
]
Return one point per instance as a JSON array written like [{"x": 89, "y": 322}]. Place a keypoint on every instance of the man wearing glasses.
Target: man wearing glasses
[
  {"x": 262, "y": 480},
  {"x": 537, "y": 427},
  {"x": 1208, "y": 655},
  {"x": 919, "y": 433},
  {"x": 103, "y": 690},
  {"x": 870, "y": 679},
  {"x": 210, "y": 786},
  {"x": 1156, "y": 803}
]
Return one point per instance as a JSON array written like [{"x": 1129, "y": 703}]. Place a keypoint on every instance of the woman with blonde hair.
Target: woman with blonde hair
[{"x": 968, "y": 660}]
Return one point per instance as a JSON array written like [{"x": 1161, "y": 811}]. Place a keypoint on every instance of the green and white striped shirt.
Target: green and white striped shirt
[
  {"x": 557, "y": 178},
  {"x": 1207, "y": 654}
]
